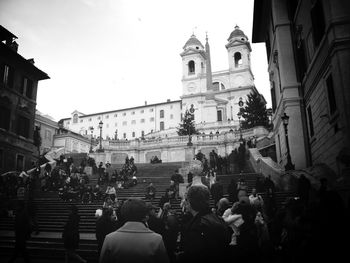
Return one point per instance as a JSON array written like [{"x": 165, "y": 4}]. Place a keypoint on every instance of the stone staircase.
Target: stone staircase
[{"x": 53, "y": 212}]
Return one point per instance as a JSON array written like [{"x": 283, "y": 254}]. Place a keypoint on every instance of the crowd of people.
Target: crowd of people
[
  {"x": 232, "y": 163},
  {"x": 243, "y": 226}
]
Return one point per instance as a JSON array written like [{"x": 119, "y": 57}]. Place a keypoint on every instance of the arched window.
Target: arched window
[
  {"x": 191, "y": 67},
  {"x": 75, "y": 118},
  {"x": 218, "y": 86},
  {"x": 161, "y": 114},
  {"x": 238, "y": 59}
]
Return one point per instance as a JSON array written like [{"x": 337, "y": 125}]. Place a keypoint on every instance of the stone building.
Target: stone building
[
  {"x": 48, "y": 128},
  {"x": 214, "y": 98},
  {"x": 19, "y": 79},
  {"x": 308, "y": 52}
]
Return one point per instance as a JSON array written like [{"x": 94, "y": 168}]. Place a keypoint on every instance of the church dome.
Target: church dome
[
  {"x": 237, "y": 33},
  {"x": 193, "y": 41}
]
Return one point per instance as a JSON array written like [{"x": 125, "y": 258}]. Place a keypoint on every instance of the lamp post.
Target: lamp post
[
  {"x": 100, "y": 126},
  {"x": 285, "y": 120},
  {"x": 188, "y": 129},
  {"x": 239, "y": 114},
  {"x": 92, "y": 131}
]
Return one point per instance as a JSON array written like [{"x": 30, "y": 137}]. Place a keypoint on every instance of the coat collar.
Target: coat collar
[{"x": 133, "y": 226}]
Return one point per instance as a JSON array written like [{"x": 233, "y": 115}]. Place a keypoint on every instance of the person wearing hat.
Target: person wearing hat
[{"x": 134, "y": 242}]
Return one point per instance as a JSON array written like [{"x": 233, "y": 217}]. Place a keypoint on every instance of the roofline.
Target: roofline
[
  {"x": 137, "y": 107},
  {"x": 6, "y": 31},
  {"x": 40, "y": 74},
  {"x": 260, "y": 18}
]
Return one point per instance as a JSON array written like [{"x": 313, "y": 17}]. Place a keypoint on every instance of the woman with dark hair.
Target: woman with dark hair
[{"x": 71, "y": 235}]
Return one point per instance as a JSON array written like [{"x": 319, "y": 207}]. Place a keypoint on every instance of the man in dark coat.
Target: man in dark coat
[
  {"x": 22, "y": 233},
  {"x": 207, "y": 237},
  {"x": 104, "y": 226},
  {"x": 70, "y": 235}
]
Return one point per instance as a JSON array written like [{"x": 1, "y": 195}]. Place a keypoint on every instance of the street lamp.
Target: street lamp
[
  {"x": 285, "y": 121},
  {"x": 92, "y": 131},
  {"x": 189, "y": 132},
  {"x": 239, "y": 114},
  {"x": 100, "y": 126}
]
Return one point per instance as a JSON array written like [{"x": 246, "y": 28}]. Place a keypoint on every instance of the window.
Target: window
[
  {"x": 142, "y": 120},
  {"x": 68, "y": 122},
  {"x": 219, "y": 113},
  {"x": 238, "y": 59},
  {"x": 125, "y": 123},
  {"x": 124, "y": 113},
  {"x": 124, "y": 135},
  {"x": 273, "y": 96},
  {"x": 161, "y": 114},
  {"x": 161, "y": 125},
  {"x": 89, "y": 119},
  {"x": 75, "y": 118},
  {"x": 216, "y": 86},
  {"x": 132, "y": 113},
  {"x": 99, "y": 118},
  {"x": 331, "y": 95},
  {"x": 151, "y": 119},
  {"x": 318, "y": 22},
  {"x": 48, "y": 135},
  {"x": 133, "y": 122},
  {"x": 7, "y": 77},
  {"x": 81, "y": 120},
  {"x": 142, "y": 133},
  {"x": 107, "y": 116},
  {"x": 191, "y": 67},
  {"x": 171, "y": 116},
  {"x": 5, "y": 117},
  {"x": 133, "y": 134},
  {"x": 150, "y": 110},
  {"x": 115, "y": 115},
  {"x": 142, "y": 111},
  {"x": 311, "y": 124},
  {"x": 171, "y": 106},
  {"x": 279, "y": 145},
  {"x": 23, "y": 126},
  {"x": 29, "y": 89},
  {"x": 115, "y": 124},
  {"x": 20, "y": 162}
]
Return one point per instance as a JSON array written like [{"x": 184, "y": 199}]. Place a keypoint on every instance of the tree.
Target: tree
[
  {"x": 254, "y": 113},
  {"x": 187, "y": 127},
  {"x": 37, "y": 139}
]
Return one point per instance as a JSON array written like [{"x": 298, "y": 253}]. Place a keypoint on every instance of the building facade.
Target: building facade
[
  {"x": 214, "y": 98},
  {"x": 308, "y": 49},
  {"x": 71, "y": 142},
  {"x": 18, "y": 90},
  {"x": 48, "y": 128}
]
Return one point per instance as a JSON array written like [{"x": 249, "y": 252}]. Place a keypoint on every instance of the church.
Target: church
[{"x": 214, "y": 98}]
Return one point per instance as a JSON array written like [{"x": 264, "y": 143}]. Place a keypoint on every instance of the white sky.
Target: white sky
[{"x": 109, "y": 54}]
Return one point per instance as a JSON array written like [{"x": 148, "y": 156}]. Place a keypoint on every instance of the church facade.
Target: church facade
[{"x": 214, "y": 98}]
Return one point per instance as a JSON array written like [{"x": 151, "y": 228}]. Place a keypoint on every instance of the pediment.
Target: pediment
[
  {"x": 238, "y": 42},
  {"x": 192, "y": 51}
]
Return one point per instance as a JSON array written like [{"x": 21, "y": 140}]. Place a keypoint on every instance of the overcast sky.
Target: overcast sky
[{"x": 108, "y": 54}]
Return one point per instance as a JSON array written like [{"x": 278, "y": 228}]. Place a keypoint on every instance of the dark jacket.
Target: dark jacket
[
  {"x": 104, "y": 226},
  {"x": 206, "y": 239},
  {"x": 71, "y": 232}
]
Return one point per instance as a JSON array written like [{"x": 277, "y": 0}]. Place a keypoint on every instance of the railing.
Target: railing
[
  {"x": 222, "y": 138},
  {"x": 267, "y": 167}
]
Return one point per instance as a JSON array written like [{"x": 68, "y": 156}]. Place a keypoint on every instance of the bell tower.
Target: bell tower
[
  {"x": 238, "y": 50},
  {"x": 193, "y": 67}
]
